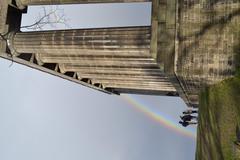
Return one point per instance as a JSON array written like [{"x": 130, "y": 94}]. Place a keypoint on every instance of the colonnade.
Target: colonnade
[{"x": 115, "y": 57}]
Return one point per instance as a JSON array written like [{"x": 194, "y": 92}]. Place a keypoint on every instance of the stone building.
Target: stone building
[{"x": 189, "y": 45}]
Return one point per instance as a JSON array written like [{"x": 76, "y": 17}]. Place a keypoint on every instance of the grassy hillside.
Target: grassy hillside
[{"x": 219, "y": 118}]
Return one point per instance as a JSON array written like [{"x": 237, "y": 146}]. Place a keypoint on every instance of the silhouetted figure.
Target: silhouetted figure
[
  {"x": 189, "y": 111},
  {"x": 188, "y": 117},
  {"x": 185, "y": 123}
]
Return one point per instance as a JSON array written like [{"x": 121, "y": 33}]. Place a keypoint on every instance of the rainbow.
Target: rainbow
[{"x": 158, "y": 117}]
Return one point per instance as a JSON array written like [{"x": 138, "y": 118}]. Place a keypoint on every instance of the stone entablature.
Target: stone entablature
[{"x": 24, "y": 3}]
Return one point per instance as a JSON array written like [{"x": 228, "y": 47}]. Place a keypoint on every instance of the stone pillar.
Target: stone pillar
[
  {"x": 122, "y": 75},
  {"x": 140, "y": 86},
  {"x": 97, "y": 61},
  {"x": 117, "y": 70},
  {"x": 23, "y": 3},
  {"x": 114, "y": 57},
  {"x": 126, "y": 81},
  {"x": 132, "y": 41}
]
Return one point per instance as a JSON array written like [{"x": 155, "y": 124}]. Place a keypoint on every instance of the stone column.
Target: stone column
[
  {"x": 23, "y": 3},
  {"x": 117, "y": 70},
  {"x": 97, "y": 61},
  {"x": 125, "y": 81},
  {"x": 132, "y": 41},
  {"x": 140, "y": 86},
  {"x": 114, "y": 57}
]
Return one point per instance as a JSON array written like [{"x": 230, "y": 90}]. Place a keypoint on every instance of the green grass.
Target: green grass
[{"x": 219, "y": 116}]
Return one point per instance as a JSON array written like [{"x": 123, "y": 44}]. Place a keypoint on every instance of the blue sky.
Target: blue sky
[{"x": 45, "y": 117}]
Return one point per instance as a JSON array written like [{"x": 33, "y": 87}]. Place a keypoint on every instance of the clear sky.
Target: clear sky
[{"x": 45, "y": 117}]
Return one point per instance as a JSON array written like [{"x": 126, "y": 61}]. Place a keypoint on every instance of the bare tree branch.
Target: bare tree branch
[{"x": 49, "y": 17}]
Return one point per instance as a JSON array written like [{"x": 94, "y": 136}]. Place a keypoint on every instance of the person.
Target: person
[
  {"x": 186, "y": 123},
  {"x": 189, "y": 111},
  {"x": 188, "y": 117}
]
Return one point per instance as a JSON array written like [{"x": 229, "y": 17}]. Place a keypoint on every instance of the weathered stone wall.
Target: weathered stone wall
[
  {"x": 23, "y": 3},
  {"x": 208, "y": 42}
]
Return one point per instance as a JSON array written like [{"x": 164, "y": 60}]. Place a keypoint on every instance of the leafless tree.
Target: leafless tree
[{"x": 49, "y": 17}]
